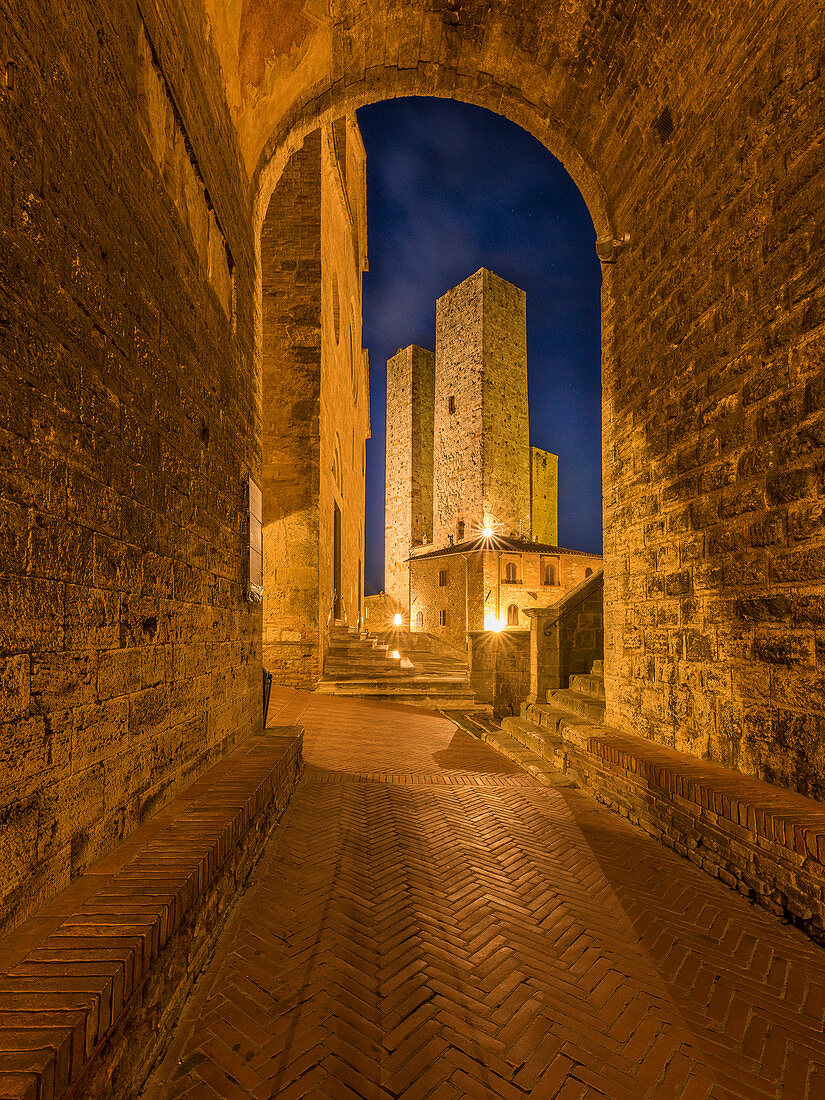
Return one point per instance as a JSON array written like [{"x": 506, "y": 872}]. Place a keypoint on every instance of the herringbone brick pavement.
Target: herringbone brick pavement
[{"x": 430, "y": 922}]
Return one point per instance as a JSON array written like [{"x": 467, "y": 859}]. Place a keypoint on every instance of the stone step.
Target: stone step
[
  {"x": 555, "y": 722},
  {"x": 367, "y": 657},
  {"x": 597, "y": 669},
  {"x": 351, "y": 674},
  {"x": 453, "y": 701},
  {"x": 588, "y": 684},
  {"x": 536, "y": 738},
  {"x": 361, "y": 685},
  {"x": 575, "y": 703}
]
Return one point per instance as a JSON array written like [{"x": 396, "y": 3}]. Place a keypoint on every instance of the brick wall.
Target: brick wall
[{"x": 130, "y": 660}]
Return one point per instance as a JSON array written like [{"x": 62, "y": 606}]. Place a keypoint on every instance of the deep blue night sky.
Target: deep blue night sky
[{"x": 452, "y": 188}]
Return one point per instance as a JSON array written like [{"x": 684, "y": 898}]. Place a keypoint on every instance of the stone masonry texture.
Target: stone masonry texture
[
  {"x": 130, "y": 352},
  {"x": 315, "y": 398},
  {"x": 408, "y": 497},
  {"x": 130, "y": 661},
  {"x": 481, "y": 456},
  {"x": 544, "y": 496}
]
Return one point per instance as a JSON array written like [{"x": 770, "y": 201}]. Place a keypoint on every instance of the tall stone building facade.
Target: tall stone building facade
[
  {"x": 408, "y": 503},
  {"x": 315, "y": 400},
  {"x": 459, "y": 463},
  {"x": 481, "y": 462}
]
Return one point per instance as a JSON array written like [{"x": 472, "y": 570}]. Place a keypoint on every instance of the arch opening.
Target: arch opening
[{"x": 341, "y": 299}]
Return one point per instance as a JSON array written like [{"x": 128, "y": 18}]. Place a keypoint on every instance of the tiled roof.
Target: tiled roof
[{"x": 505, "y": 543}]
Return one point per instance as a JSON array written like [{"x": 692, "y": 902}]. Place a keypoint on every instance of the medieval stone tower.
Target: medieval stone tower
[
  {"x": 408, "y": 500},
  {"x": 458, "y": 448},
  {"x": 481, "y": 458}
]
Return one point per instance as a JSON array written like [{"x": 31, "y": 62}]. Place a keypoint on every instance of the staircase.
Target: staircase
[
  {"x": 580, "y": 704},
  {"x": 359, "y": 665}
]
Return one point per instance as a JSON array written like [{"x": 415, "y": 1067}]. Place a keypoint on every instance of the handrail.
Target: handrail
[
  {"x": 331, "y": 615},
  {"x": 567, "y": 608}
]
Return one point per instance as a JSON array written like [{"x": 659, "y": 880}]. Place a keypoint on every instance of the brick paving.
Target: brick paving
[{"x": 431, "y": 922}]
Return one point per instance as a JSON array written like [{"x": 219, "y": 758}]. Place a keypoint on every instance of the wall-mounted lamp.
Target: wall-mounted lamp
[{"x": 608, "y": 248}]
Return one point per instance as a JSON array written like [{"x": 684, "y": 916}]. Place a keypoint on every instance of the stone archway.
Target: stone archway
[
  {"x": 324, "y": 112},
  {"x": 669, "y": 124}
]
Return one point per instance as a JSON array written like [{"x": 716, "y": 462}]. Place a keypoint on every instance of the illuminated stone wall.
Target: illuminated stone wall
[{"x": 408, "y": 496}]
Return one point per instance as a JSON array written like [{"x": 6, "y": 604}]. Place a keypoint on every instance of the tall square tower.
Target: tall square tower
[
  {"x": 409, "y": 465},
  {"x": 481, "y": 461}
]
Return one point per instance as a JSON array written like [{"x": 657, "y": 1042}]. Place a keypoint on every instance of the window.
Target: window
[
  {"x": 510, "y": 572},
  {"x": 451, "y": 405},
  {"x": 460, "y": 530},
  {"x": 442, "y": 617},
  {"x": 588, "y": 572},
  {"x": 549, "y": 576},
  {"x": 419, "y": 619},
  {"x": 512, "y": 615},
  {"x": 442, "y": 578}
]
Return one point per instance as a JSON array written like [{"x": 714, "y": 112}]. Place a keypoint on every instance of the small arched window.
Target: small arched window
[
  {"x": 588, "y": 572},
  {"x": 512, "y": 615},
  {"x": 510, "y": 572},
  {"x": 419, "y": 620},
  {"x": 549, "y": 574},
  {"x": 461, "y": 530}
]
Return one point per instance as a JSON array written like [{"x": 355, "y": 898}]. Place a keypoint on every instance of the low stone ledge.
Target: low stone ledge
[
  {"x": 89, "y": 985},
  {"x": 764, "y": 841}
]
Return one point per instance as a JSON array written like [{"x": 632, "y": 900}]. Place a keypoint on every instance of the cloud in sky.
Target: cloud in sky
[{"x": 452, "y": 188}]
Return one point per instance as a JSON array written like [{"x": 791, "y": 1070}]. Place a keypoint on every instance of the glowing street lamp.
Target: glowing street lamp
[{"x": 397, "y": 620}]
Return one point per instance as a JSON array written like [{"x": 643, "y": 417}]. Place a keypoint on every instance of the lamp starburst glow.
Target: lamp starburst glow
[
  {"x": 397, "y": 620},
  {"x": 487, "y": 531}
]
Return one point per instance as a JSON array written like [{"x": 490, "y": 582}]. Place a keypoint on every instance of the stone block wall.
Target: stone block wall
[
  {"x": 408, "y": 496},
  {"x": 566, "y": 638},
  {"x": 544, "y": 496},
  {"x": 129, "y": 660},
  {"x": 345, "y": 410},
  {"x": 714, "y": 415},
  {"x": 315, "y": 399},
  {"x": 481, "y": 458},
  {"x": 506, "y": 469},
  {"x": 291, "y": 422},
  {"x": 500, "y": 669},
  {"x": 457, "y": 597}
]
